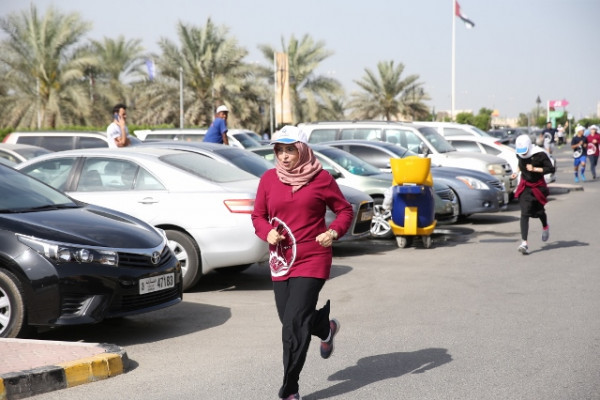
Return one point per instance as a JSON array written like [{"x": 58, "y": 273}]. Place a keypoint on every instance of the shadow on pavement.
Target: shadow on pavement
[
  {"x": 560, "y": 245},
  {"x": 151, "y": 327},
  {"x": 380, "y": 367}
]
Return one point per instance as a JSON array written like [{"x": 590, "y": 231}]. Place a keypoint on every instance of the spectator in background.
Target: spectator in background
[
  {"x": 117, "y": 130},
  {"x": 217, "y": 132},
  {"x": 593, "y": 150}
]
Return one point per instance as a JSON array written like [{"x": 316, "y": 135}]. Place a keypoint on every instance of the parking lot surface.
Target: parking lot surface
[{"x": 469, "y": 318}]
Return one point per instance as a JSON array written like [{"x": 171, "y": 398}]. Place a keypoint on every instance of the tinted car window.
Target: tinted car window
[
  {"x": 362, "y": 134},
  {"x": 491, "y": 150},
  {"x": 322, "y": 135},
  {"x": 466, "y": 146},
  {"x": 371, "y": 155},
  {"x": 52, "y": 172},
  {"x": 206, "y": 168},
  {"x": 109, "y": 174},
  {"x": 91, "y": 143},
  {"x": 350, "y": 162},
  {"x": 57, "y": 143},
  {"x": 245, "y": 160},
  {"x": 455, "y": 132},
  {"x": 436, "y": 140},
  {"x": 22, "y": 193},
  {"x": 246, "y": 140}
]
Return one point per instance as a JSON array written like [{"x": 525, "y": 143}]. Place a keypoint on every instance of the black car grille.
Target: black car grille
[
  {"x": 446, "y": 194},
  {"x": 363, "y": 226},
  {"x": 144, "y": 261},
  {"x": 132, "y": 302}
]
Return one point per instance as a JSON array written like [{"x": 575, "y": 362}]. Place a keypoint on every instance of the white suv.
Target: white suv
[
  {"x": 64, "y": 140},
  {"x": 415, "y": 137}
]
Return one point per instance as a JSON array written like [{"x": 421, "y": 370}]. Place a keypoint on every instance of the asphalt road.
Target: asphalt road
[{"x": 470, "y": 318}]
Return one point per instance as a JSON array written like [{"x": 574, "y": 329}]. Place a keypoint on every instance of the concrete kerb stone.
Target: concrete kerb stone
[{"x": 22, "y": 384}]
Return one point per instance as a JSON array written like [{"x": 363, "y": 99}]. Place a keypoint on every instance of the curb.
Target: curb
[{"x": 22, "y": 384}]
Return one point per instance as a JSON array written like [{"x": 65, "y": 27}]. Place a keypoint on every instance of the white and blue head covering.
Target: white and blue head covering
[
  {"x": 289, "y": 134},
  {"x": 525, "y": 148}
]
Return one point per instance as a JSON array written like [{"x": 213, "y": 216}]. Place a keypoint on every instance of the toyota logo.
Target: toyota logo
[{"x": 155, "y": 258}]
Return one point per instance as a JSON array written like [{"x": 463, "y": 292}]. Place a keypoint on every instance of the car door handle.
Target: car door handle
[{"x": 148, "y": 200}]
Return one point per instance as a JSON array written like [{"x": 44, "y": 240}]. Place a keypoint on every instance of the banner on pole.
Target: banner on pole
[{"x": 283, "y": 109}]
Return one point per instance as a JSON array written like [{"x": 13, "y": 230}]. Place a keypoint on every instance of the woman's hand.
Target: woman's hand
[
  {"x": 325, "y": 239},
  {"x": 274, "y": 237}
]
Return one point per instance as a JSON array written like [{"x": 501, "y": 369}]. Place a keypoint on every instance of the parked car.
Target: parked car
[
  {"x": 476, "y": 192},
  {"x": 485, "y": 145},
  {"x": 362, "y": 203},
  {"x": 501, "y": 135},
  {"x": 350, "y": 171},
  {"x": 448, "y": 129},
  {"x": 240, "y": 138},
  {"x": 480, "y": 144},
  {"x": 418, "y": 138},
  {"x": 64, "y": 262},
  {"x": 17, "y": 153},
  {"x": 64, "y": 140},
  {"x": 203, "y": 205}
]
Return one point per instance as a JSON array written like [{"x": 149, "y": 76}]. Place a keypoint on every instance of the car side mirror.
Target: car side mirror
[{"x": 423, "y": 149}]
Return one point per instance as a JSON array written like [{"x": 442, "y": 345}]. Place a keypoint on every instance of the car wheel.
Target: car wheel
[
  {"x": 233, "y": 270},
  {"x": 12, "y": 306},
  {"x": 188, "y": 254},
  {"x": 380, "y": 224},
  {"x": 460, "y": 214}
]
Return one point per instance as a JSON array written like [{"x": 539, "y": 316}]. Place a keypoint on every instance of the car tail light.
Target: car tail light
[{"x": 240, "y": 206}]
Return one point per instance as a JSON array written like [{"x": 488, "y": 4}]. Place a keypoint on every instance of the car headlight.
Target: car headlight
[
  {"x": 496, "y": 169},
  {"x": 65, "y": 252},
  {"x": 473, "y": 183}
]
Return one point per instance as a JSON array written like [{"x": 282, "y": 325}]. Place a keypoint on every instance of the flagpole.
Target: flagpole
[{"x": 452, "y": 99}]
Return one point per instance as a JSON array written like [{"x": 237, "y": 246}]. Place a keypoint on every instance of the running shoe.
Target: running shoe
[
  {"x": 523, "y": 249},
  {"x": 327, "y": 347},
  {"x": 546, "y": 234}
]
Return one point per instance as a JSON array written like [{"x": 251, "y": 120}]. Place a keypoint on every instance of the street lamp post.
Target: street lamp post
[
  {"x": 538, "y": 101},
  {"x": 180, "y": 97}
]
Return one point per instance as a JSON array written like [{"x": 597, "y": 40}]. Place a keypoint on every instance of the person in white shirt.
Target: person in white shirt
[{"x": 117, "y": 130}]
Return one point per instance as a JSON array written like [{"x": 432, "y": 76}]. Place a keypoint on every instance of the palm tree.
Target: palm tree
[
  {"x": 43, "y": 70},
  {"x": 386, "y": 95},
  {"x": 213, "y": 72},
  {"x": 312, "y": 96},
  {"x": 120, "y": 64}
]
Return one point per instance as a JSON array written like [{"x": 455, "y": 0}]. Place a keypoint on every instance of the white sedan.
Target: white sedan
[
  {"x": 490, "y": 145},
  {"x": 203, "y": 205}
]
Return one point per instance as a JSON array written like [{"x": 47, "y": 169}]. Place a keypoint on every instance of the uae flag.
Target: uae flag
[{"x": 468, "y": 23}]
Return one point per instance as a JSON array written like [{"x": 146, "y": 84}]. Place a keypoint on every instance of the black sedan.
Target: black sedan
[{"x": 63, "y": 262}]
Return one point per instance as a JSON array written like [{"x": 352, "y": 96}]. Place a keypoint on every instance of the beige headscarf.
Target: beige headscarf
[{"x": 303, "y": 172}]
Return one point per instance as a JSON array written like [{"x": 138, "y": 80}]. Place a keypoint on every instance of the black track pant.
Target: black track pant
[
  {"x": 296, "y": 300},
  {"x": 525, "y": 223}
]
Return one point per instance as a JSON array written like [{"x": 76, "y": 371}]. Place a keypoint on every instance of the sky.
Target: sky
[{"x": 517, "y": 51}]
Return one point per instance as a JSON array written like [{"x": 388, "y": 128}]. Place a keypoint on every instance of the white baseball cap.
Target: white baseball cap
[
  {"x": 289, "y": 134},
  {"x": 579, "y": 128},
  {"x": 222, "y": 109}
]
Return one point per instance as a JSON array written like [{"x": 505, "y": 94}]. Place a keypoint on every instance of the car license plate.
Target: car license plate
[
  {"x": 367, "y": 215},
  {"x": 156, "y": 283}
]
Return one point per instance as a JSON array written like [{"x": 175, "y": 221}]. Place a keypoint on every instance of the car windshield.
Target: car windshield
[
  {"x": 22, "y": 193},
  {"x": 206, "y": 168},
  {"x": 349, "y": 162},
  {"x": 245, "y": 160},
  {"x": 246, "y": 140},
  {"x": 440, "y": 144},
  {"x": 30, "y": 152},
  {"x": 480, "y": 132}
]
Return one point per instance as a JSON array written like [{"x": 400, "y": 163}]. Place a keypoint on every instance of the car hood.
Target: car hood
[
  {"x": 487, "y": 158},
  {"x": 453, "y": 172},
  {"x": 87, "y": 225}
]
